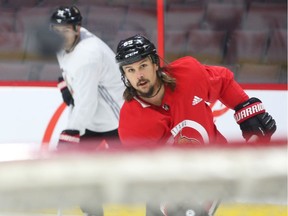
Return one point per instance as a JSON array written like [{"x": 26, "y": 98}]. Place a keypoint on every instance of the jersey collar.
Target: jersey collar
[{"x": 142, "y": 103}]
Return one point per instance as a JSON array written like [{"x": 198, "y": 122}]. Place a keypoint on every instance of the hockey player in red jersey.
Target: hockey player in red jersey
[{"x": 168, "y": 105}]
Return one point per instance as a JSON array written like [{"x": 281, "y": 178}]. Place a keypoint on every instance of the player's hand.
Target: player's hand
[
  {"x": 254, "y": 120},
  {"x": 66, "y": 94},
  {"x": 69, "y": 139}
]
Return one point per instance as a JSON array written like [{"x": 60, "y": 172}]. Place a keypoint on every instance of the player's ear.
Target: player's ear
[
  {"x": 77, "y": 28},
  {"x": 156, "y": 66}
]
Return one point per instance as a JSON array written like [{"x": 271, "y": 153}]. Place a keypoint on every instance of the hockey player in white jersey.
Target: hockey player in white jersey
[{"x": 90, "y": 83}]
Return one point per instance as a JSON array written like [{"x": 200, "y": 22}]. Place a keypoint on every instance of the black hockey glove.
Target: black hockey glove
[
  {"x": 69, "y": 139},
  {"x": 66, "y": 94},
  {"x": 254, "y": 120}
]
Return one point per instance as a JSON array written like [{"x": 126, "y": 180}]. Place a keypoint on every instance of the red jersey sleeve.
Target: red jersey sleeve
[
  {"x": 213, "y": 82},
  {"x": 222, "y": 86}
]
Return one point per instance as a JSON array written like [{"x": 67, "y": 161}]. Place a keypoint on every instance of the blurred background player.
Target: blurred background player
[
  {"x": 168, "y": 105},
  {"x": 90, "y": 83}
]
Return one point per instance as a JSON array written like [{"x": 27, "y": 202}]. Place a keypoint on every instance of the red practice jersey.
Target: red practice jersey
[{"x": 184, "y": 116}]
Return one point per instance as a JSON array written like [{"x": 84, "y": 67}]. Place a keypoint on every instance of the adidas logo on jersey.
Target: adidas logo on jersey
[{"x": 196, "y": 100}]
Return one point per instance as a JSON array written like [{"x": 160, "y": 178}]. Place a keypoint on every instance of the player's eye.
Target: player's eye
[
  {"x": 67, "y": 31},
  {"x": 143, "y": 65},
  {"x": 56, "y": 30},
  {"x": 130, "y": 70}
]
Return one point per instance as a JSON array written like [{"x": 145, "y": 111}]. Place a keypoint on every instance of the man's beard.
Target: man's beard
[
  {"x": 150, "y": 92},
  {"x": 147, "y": 94}
]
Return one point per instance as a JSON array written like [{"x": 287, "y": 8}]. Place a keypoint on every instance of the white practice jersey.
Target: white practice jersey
[{"x": 94, "y": 79}]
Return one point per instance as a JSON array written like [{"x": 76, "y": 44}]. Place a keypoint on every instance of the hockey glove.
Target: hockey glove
[
  {"x": 66, "y": 94},
  {"x": 254, "y": 120},
  {"x": 68, "y": 139}
]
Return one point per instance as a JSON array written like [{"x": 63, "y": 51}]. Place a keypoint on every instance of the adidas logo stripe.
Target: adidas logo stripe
[{"x": 196, "y": 100}]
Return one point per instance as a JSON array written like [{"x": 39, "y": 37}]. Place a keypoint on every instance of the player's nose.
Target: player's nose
[{"x": 139, "y": 74}]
